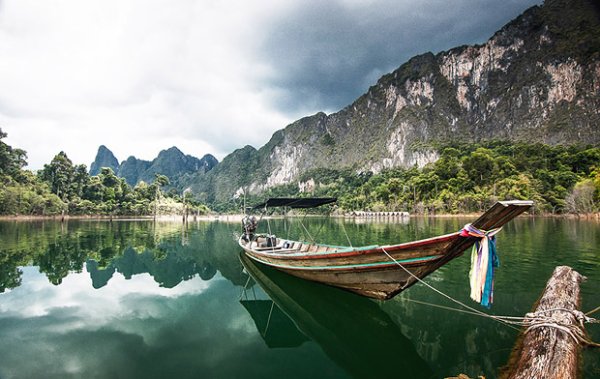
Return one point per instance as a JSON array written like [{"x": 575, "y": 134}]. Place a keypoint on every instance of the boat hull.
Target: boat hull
[{"x": 378, "y": 272}]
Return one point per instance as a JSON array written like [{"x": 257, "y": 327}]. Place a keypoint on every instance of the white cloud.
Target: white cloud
[
  {"x": 98, "y": 305},
  {"x": 137, "y": 76}
]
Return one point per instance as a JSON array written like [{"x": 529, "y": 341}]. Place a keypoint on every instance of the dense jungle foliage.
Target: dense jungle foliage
[
  {"x": 63, "y": 188},
  {"x": 466, "y": 178}
]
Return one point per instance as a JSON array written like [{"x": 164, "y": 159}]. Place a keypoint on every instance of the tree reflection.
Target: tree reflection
[
  {"x": 10, "y": 273},
  {"x": 60, "y": 259},
  {"x": 168, "y": 270},
  {"x": 106, "y": 248}
]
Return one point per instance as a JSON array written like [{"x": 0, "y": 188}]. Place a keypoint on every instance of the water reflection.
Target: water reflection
[
  {"x": 169, "y": 252},
  {"x": 352, "y": 330},
  {"x": 273, "y": 325},
  {"x": 132, "y": 325},
  {"x": 143, "y": 299},
  {"x": 168, "y": 271}
]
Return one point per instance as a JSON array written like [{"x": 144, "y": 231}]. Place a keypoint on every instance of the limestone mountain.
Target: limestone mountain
[
  {"x": 170, "y": 162},
  {"x": 132, "y": 168},
  {"x": 104, "y": 158},
  {"x": 535, "y": 80},
  {"x": 173, "y": 163}
]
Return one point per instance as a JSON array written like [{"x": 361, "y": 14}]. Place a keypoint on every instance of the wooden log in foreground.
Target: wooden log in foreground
[{"x": 547, "y": 350}]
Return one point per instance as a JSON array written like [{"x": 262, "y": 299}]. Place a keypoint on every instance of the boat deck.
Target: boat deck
[{"x": 280, "y": 246}]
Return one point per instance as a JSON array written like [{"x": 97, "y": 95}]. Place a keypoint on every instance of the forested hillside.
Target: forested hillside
[
  {"x": 64, "y": 188},
  {"x": 467, "y": 177}
]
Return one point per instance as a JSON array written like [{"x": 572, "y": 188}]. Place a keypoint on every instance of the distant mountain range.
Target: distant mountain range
[
  {"x": 171, "y": 163},
  {"x": 535, "y": 80}
]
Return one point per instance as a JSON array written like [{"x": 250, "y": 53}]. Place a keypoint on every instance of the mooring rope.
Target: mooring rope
[
  {"x": 531, "y": 320},
  {"x": 475, "y": 311},
  {"x": 593, "y": 311},
  {"x": 441, "y": 306}
]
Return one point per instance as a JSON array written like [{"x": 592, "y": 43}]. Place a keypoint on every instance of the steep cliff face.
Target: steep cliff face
[{"x": 535, "y": 80}]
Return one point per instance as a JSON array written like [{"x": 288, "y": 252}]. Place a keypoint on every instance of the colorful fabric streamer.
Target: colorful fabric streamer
[{"x": 483, "y": 262}]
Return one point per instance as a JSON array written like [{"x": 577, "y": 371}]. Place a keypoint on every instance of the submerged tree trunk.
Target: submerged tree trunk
[{"x": 548, "y": 350}]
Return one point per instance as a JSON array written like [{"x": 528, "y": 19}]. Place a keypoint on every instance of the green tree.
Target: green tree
[
  {"x": 59, "y": 175},
  {"x": 80, "y": 180},
  {"x": 161, "y": 180},
  {"x": 94, "y": 190},
  {"x": 12, "y": 161},
  {"x": 108, "y": 177},
  {"x": 448, "y": 165},
  {"x": 581, "y": 199},
  {"x": 480, "y": 166}
]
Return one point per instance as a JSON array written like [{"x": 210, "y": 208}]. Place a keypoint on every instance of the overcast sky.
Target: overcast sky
[{"x": 207, "y": 76}]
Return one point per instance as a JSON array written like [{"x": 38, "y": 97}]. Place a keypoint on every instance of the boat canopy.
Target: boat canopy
[{"x": 306, "y": 202}]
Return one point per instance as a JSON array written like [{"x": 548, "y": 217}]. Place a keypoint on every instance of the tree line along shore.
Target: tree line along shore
[{"x": 467, "y": 178}]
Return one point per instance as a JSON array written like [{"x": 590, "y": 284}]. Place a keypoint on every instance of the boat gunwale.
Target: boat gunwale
[
  {"x": 370, "y": 249},
  {"x": 373, "y": 266}
]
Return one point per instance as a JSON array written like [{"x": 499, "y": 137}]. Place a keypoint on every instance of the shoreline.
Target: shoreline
[
  {"x": 238, "y": 217},
  {"x": 160, "y": 218}
]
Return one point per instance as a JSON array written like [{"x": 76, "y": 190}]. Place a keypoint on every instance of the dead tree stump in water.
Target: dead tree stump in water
[{"x": 548, "y": 349}]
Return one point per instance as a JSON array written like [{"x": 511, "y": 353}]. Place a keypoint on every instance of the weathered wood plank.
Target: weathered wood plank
[
  {"x": 547, "y": 351},
  {"x": 501, "y": 213}
]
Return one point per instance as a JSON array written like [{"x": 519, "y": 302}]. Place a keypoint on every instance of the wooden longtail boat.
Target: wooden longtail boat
[{"x": 371, "y": 271}]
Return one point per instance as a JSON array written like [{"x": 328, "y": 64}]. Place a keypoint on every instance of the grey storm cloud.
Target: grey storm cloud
[{"x": 326, "y": 54}]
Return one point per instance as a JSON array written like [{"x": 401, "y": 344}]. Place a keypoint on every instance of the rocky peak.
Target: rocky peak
[
  {"x": 171, "y": 162},
  {"x": 104, "y": 158},
  {"x": 207, "y": 162},
  {"x": 132, "y": 169}
]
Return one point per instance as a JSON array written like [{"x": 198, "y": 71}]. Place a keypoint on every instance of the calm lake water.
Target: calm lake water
[{"x": 138, "y": 299}]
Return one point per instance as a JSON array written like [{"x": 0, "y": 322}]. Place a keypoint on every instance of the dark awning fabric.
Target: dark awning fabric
[{"x": 309, "y": 202}]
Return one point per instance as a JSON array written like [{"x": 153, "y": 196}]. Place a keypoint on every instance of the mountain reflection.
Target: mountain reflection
[
  {"x": 168, "y": 271},
  {"x": 169, "y": 252}
]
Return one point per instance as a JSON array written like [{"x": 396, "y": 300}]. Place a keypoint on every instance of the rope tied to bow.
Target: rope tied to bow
[{"x": 484, "y": 260}]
